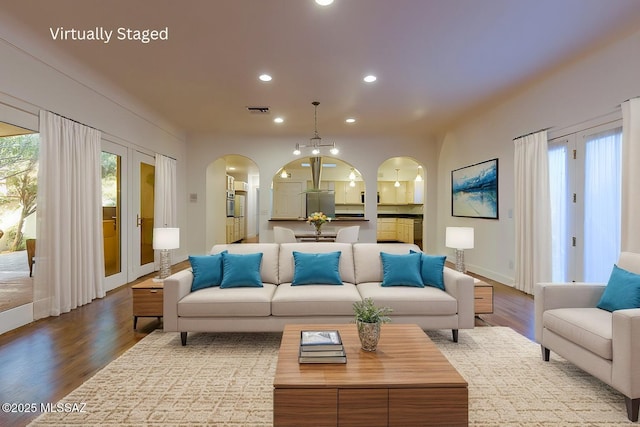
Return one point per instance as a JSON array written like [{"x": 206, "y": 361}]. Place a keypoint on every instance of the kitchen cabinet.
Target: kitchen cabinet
[
  {"x": 392, "y": 195},
  {"x": 235, "y": 229},
  {"x": 404, "y": 230},
  {"x": 387, "y": 230},
  {"x": 230, "y": 227},
  {"x": 347, "y": 195}
]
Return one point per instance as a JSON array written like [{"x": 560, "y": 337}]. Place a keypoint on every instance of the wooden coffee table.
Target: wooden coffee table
[{"x": 406, "y": 382}]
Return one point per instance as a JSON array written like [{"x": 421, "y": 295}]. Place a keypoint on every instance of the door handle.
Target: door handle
[{"x": 115, "y": 222}]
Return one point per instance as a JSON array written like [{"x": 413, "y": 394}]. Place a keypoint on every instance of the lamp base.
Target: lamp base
[
  {"x": 165, "y": 264},
  {"x": 460, "y": 261}
]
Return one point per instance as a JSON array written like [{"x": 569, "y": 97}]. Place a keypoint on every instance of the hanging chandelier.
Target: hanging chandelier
[{"x": 315, "y": 142}]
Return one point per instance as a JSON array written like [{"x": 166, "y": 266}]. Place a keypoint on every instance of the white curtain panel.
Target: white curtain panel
[
  {"x": 165, "y": 193},
  {"x": 69, "y": 252},
  {"x": 630, "y": 227},
  {"x": 532, "y": 211}
]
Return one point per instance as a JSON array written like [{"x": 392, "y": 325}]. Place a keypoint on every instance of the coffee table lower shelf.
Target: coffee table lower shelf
[{"x": 407, "y": 382}]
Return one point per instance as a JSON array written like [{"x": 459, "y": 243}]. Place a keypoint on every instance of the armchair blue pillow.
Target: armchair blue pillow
[
  {"x": 207, "y": 271},
  {"x": 316, "y": 269},
  {"x": 241, "y": 270},
  {"x": 401, "y": 270},
  {"x": 622, "y": 291}
]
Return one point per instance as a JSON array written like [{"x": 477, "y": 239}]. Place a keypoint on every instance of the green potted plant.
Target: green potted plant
[{"x": 369, "y": 317}]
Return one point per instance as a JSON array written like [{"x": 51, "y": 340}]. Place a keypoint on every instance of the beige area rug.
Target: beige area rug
[{"x": 226, "y": 380}]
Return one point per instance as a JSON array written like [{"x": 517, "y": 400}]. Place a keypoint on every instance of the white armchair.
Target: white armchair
[{"x": 604, "y": 344}]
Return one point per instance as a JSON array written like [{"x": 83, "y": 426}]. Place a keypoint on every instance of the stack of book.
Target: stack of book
[{"x": 321, "y": 347}]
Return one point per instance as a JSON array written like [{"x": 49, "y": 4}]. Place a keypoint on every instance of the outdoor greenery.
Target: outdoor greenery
[{"x": 18, "y": 181}]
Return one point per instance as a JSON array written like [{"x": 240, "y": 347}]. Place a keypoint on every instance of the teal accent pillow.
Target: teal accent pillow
[
  {"x": 241, "y": 270},
  {"x": 207, "y": 271},
  {"x": 316, "y": 269},
  {"x": 622, "y": 291},
  {"x": 431, "y": 269},
  {"x": 401, "y": 270}
]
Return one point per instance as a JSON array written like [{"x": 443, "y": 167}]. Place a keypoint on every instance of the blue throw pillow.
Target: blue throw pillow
[
  {"x": 431, "y": 270},
  {"x": 622, "y": 291},
  {"x": 207, "y": 271},
  {"x": 401, "y": 270},
  {"x": 316, "y": 269},
  {"x": 241, "y": 270}
]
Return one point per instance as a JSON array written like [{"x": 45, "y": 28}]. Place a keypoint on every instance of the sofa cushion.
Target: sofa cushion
[
  {"x": 207, "y": 271},
  {"x": 218, "y": 302},
  {"x": 270, "y": 251},
  {"x": 287, "y": 265},
  {"x": 590, "y": 328},
  {"x": 367, "y": 261},
  {"x": 240, "y": 271},
  {"x": 316, "y": 269},
  {"x": 314, "y": 300},
  {"x": 410, "y": 301},
  {"x": 432, "y": 270},
  {"x": 401, "y": 270},
  {"x": 622, "y": 291}
]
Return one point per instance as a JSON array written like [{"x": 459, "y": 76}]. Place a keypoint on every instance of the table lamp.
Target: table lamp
[
  {"x": 165, "y": 239},
  {"x": 459, "y": 238}
]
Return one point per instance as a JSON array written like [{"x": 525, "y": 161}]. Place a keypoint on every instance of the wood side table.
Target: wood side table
[
  {"x": 483, "y": 297},
  {"x": 148, "y": 299}
]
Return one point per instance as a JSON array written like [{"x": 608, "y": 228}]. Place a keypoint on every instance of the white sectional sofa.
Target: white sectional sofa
[{"x": 277, "y": 302}]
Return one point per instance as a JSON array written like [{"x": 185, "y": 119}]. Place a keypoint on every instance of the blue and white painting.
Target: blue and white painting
[{"x": 474, "y": 190}]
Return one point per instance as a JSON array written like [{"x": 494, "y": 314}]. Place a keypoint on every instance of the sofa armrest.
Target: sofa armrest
[
  {"x": 548, "y": 296},
  {"x": 176, "y": 287},
  {"x": 461, "y": 287},
  {"x": 625, "y": 375}
]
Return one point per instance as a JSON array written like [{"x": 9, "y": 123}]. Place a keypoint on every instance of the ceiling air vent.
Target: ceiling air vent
[{"x": 258, "y": 110}]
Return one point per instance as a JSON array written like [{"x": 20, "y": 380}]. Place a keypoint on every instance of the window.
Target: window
[{"x": 585, "y": 177}]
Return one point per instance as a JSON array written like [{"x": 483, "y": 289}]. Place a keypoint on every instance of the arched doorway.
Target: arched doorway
[
  {"x": 401, "y": 190},
  {"x": 232, "y": 189}
]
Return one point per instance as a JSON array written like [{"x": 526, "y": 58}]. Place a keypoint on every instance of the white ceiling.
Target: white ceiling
[{"x": 436, "y": 60}]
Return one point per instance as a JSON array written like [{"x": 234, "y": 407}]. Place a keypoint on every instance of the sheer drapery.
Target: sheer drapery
[
  {"x": 559, "y": 194},
  {"x": 602, "y": 189},
  {"x": 165, "y": 204},
  {"x": 532, "y": 211},
  {"x": 70, "y": 254},
  {"x": 630, "y": 175}
]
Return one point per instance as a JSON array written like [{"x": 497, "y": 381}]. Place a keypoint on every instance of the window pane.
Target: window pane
[
  {"x": 602, "y": 204},
  {"x": 559, "y": 194}
]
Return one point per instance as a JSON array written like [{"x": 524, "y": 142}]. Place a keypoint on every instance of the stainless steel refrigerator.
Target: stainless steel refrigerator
[{"x": 321, "y": 201}]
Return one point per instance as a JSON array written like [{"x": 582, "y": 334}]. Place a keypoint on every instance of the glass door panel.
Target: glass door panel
[
  {"x": 111, "y": 166},
  {"x": 147, "y": 185}
]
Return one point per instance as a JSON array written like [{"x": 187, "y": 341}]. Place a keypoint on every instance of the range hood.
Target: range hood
[{"x": 319, "y": 200}]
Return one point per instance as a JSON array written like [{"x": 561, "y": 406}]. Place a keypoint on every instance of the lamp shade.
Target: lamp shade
[
  {"x": 166, "y": 238},
  {"x": 459, "y": 237}
]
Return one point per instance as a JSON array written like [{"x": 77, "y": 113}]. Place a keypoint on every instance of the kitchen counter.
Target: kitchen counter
[{"x": 336, "y": 219}]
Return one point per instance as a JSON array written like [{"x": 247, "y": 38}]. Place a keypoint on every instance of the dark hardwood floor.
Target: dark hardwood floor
[{"x": 44, "y": 361}]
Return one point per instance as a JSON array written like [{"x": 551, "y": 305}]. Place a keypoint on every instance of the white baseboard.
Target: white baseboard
[{"x": 16, "y": 317}]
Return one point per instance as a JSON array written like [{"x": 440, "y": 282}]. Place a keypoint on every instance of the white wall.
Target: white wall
[
  {"x": 588, "y": 88},
  {"x": 270, "y": 154}
]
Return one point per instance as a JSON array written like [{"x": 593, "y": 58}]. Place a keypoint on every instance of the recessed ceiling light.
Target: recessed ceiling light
[
  {"x": 350, "y": 120},
  {"x": 231, "y": 168},
  {"x": 265, "y": 77},
  {"x": 370, "y": 78},
  {"x": 278, "y": 120},
  {"x": 324, "y": 2}
]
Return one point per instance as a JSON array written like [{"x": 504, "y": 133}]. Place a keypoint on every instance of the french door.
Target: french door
[
  {"x": 114, "y": 205},
  {"x": 144, "y": 186},
  {"x": 585, "y": 177}
]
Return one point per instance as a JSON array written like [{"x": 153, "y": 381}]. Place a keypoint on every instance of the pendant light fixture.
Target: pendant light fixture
[
  {"x": 397, "y": 183},
  {"x": 315, "y": 142},
  {"x": 418, "y": 176}
]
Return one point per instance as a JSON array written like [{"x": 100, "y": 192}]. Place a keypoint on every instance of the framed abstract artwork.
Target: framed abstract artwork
[{"x": 474, "y": 190}]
